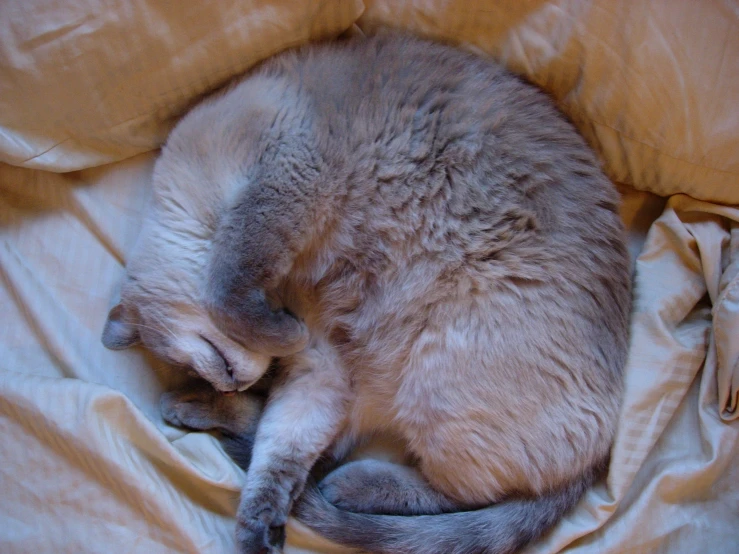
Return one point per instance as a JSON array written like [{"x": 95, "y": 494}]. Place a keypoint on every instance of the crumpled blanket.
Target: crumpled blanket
[{"x": 88, "y": 465}]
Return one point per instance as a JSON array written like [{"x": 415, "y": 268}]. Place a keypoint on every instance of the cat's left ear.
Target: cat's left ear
[{"x": 119, "y": 332}]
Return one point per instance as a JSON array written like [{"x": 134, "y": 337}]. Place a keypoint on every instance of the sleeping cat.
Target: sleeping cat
[{"x": 433, "y": 254}]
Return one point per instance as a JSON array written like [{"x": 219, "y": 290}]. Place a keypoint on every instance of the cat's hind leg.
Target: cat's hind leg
[
  {"x": 379, "y": 487},
  {"x": 202, "y": 408}
]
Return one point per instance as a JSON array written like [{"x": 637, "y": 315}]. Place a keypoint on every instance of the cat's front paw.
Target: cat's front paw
[
  {"x": 247, "y": 318},
  {"x": 260, "y": 531}
]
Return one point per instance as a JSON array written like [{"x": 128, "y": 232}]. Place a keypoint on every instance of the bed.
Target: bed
[{"x": 88, "y": 91}]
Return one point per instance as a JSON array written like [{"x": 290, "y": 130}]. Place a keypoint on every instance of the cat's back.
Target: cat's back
[
  {"x": 387, "y": 90},
  {"x": 460, "y": 179},
  {"x": 397, "y": 113},
  {"x": 442, "y": 150}
]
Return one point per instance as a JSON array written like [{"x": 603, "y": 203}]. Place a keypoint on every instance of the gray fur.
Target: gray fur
[
  {"x": 499, "y": 529},
  {"x": 378, "y": 487},
  {"x": 434, "y": 253}
]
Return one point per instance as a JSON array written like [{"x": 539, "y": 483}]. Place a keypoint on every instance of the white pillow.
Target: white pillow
[{"x": 654, "y": 87}]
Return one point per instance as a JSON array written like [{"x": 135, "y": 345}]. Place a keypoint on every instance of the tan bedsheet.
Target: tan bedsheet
[{"x": 88, "y": 465}]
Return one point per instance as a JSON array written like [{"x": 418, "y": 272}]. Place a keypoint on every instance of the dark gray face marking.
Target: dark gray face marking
[{"x": 226, "y": 364}]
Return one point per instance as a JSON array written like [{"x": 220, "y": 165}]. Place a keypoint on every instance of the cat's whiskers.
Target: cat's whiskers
[{"x": 157, "y": 329}]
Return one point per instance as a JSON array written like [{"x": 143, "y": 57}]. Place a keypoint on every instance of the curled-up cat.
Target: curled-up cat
[{"x": 432, "y": 252}]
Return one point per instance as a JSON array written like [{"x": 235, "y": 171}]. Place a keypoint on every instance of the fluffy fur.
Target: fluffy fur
[{"x": 433, "y": 253}]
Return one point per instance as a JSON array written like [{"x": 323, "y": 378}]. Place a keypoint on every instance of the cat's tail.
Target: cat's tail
[{"x": 498, "y": 529}]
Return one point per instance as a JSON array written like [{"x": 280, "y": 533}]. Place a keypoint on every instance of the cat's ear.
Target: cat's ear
[{"x": 119, "y": 332}]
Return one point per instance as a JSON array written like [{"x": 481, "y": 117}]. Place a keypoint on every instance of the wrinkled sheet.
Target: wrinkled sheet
[
  {"x": 86, "y": 462},
  {"x": 88, "y": 465}
]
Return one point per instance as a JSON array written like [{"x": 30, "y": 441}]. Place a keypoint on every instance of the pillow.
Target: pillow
[
  {"x": 87, "y": 83},
  {"x": 653, "y": 86}
]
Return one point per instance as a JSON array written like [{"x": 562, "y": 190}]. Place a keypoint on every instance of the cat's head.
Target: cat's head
[
  {"x": 201, "y": 168},
  {"x": 161, "y": 302},
  {"x": 183, "y": 335},
  {"x": 159, "y": 310}
]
